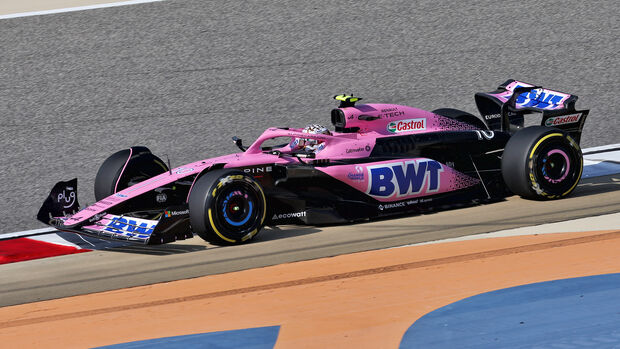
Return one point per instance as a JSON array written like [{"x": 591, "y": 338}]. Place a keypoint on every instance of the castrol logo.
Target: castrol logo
[
  {"x": 406, "y": 125},
  {"x": 561, "y": 120}
]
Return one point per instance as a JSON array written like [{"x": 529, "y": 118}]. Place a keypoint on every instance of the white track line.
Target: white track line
[
  {"x": 602, "y": 147},
  {"x": 601, "y": 161},
  {"x": 603, "y": 222},
  {"x": 610, "y": 156},
  {"x": 78, "y": 8},
  {"x": 26, "y": 233},
  {"x": 56, "y": 240}
]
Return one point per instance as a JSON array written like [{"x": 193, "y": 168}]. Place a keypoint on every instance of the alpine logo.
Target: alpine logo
[
  {"x": 406, "y": 125},
  {"x": 289, "y": 215},
  {"x": 561, "y": 120},
  {"x": 258, "y": 170},
  {"x": 404, "y": 179}
]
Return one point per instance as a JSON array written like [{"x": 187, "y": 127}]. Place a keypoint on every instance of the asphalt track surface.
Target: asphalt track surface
[{"x": 183, "y": 76}]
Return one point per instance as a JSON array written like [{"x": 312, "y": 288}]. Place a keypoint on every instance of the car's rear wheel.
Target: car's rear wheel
[
  {"x": 227, "y": 207},
  {"x": 462, "y": 116},
  {"x": 125, "y": 168},
  {"x": 541, "y": 163}
]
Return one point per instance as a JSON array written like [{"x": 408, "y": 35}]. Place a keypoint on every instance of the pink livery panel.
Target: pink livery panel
[
  {"x": 394, "y": 180},
  {"x": 394, "y": 120},
  {"x": 94, "y": 211}
]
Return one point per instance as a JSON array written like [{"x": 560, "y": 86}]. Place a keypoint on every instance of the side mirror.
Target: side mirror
[{"x": 239, "y": 143}]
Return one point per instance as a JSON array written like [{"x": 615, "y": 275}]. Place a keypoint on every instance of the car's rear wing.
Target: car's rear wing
[{"x": 504, "y": 109}]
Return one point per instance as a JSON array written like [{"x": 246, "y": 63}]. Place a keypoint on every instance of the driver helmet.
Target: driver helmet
[{"x": 313, "y": 145}]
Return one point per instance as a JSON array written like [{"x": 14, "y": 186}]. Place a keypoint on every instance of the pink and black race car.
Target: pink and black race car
[{"x": 380, "y": 160}]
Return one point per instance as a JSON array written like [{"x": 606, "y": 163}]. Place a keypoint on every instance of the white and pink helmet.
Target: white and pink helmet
[{"x": 310, "y": 144}]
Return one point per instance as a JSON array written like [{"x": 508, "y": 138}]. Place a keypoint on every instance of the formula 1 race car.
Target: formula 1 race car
[{"x": 381, "y": 160}]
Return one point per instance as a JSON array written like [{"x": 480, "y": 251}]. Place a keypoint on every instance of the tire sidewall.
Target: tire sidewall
[
  {"x": 556, "y": 142},
  {"x": 526, "y": 159},
  {"x": 208, "y": 207},
  {"x": 109, "y": 172},
  {"x": 120, "y": 168}
]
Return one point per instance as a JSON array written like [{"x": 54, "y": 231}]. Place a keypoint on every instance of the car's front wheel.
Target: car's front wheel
[
  {"x": 542, "y": 163},
  {"x": 227, "y": 207}
]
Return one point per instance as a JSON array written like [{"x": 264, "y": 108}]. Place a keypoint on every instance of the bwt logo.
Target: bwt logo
[
  {"x": 129, "y": 225},
  {"x": 541, "y": 99},
  {"x": 405, "y": 178}
]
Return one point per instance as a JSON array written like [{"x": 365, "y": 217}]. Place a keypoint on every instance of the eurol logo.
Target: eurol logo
[
  {"x": 404, "y": 178},
  {"x": 406, "y": 125},
  {"x": 564, "y": 119}
]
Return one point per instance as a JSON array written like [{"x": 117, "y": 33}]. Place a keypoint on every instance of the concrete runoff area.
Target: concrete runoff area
[
  {"x": 25, "y": 8},
  {"x": 602, "y": 222},
  {"x": 366, "y": 299}
]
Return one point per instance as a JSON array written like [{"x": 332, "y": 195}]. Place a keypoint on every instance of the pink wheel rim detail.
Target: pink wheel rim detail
[{"x": 561, "y": 152}]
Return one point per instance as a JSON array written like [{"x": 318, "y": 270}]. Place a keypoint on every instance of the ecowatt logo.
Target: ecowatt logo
[
  {"x": 406, "y": 125},
  {"x": 289, "y": 215}
]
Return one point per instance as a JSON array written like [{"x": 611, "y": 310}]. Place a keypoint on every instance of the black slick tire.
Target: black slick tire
[
  {"x": 124, "y": 168},
  {"x": 227, "y": 207},
  {"x": 542, "y": 163}
]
